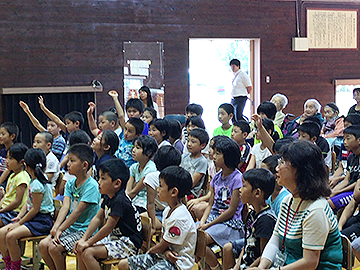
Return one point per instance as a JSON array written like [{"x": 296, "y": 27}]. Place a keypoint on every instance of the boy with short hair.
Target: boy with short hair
[
  {"x": 8, "y": 135},
  {"x": 343, "y": 192},
  {"x": 106, "y": 120},
  {"x": 120, "y": 236},
  {"x": 310, "y": 131},
  {"x": 73, "y": 120},
  {"x": 179, "y": 231},
  {"x": 239, "y": 133},
  {"x": 44, "y": 140},
  {"x": 258, "y": 184},
  {"x": 80, "y": 205},
  {"x": 194, "y": 162},
  {"x": 191, "y": 110},
  {"x": 59, "y": 144}
]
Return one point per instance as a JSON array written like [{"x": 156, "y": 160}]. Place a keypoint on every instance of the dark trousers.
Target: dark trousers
[{"x": 239, "y": 104}]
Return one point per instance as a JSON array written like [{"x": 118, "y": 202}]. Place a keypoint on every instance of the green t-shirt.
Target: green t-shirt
[{"x": 221, "y": 131}]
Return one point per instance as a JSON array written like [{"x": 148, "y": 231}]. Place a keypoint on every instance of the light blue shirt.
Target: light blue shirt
[
  {"x": 47, "y": 203},
  {"x": 88, "y": 192},
  {"x": 124, "y": 151}
]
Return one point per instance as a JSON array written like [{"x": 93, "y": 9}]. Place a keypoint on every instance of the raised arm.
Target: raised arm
[
  {"x": 266, "y": 139},
  {"x": 51, "y": 115},
  {"x": 119, "y": 109},
  {"x": 32, "y": 118},
  {"x": 92, "y": 124}
]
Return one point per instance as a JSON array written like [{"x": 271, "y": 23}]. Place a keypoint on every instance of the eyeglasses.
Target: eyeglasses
[{"x": 282, "y": 161}]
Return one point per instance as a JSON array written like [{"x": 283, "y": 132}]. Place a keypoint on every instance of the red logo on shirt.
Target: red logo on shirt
[{"x": 174, "y": 231}]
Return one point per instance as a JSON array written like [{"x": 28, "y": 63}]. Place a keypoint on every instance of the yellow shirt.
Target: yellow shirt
[{"x": 13, "y": 182}]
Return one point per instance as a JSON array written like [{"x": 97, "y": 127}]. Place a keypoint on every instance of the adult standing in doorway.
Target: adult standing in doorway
[{"x": 242, "y": 86}]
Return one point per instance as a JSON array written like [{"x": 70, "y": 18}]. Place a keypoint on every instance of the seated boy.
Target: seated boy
[
  {"x": 8, "y": 135},
  {"x": 59, "y": 144},
  {"x": 343, "y": 192},
  {"x": 106, "y": 120},
  {"x": 191, "y": 110},
  {"x": 310, "y": 131},
  {"x": 73, "y": 120},
  {"x": 258, "y": 184},
  {"x": 134, "y": 107},
  {"x": 179, "y": 232},
  {"x": 80, "y": 205},
  {"x": 194, "y": 162},
  {"x": 120, "y": 236},
  {"x": 239, "y": 133},
  {"x": 44, "y": 140}
]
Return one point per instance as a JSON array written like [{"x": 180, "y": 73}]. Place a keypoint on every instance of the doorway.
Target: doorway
[{"x": 210, "y": 75}]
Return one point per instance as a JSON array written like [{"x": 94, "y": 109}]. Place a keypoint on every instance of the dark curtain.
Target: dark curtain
[{"x": 59, "y": 104}]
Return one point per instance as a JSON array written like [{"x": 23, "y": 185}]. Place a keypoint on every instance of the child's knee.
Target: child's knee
[
  {"x": 44, "y": 244},
  {"x": 55, "y": 250},
  {"x": 11, "y": 237},
  {"x": 228, "y": 248},
  {"x": 123, "y": 264}
]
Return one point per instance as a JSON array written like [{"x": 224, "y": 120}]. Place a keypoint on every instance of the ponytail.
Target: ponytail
[
  {"x": 36, "y": 160},
  {"x": 40, "y": 175}
]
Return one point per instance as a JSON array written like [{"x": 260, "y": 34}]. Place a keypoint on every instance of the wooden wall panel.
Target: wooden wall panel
[{"x": 72, "y": 42}]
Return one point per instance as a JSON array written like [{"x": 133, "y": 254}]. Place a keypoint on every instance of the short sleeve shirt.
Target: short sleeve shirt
[
  {"x": 52, "y": 166},
  {"x": 47, "y": 204},
  {"x": 129, "y": 223},
  {"x": 193, "y": 165},
  {"x": 13, "y": 182},
  {"x": 141, "y": 198},
  {"x": 260, "y": 154},
  {"x": 180, "y": 231},
  {"x": 88, "y": 192},
  {"x": 124, "y": 151},
  {"x": 152, "y": 180},
  {"x": 220, "y": 131},
  {"x": 59, "y": 145},
  {"x": 353, "y": 167},
  {"x": 240, "y": 82}
]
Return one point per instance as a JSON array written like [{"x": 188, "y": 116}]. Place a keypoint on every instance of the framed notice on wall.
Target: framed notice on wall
[{"x": 332, "y": 29}]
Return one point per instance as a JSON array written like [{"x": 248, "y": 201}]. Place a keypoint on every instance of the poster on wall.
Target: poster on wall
[{"x": 332, "y": 29}]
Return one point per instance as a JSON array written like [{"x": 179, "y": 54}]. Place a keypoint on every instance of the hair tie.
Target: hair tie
[{"x": 39, "y": 165}]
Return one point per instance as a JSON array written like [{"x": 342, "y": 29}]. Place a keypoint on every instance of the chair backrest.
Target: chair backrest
[
  {"x": 200, "y": 250},
  {"x": 146, "y": 226},
  {"x": 347, "y": 262}
]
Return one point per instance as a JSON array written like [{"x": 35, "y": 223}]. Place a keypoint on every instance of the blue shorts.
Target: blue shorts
[
  {"x": 341, "y": 200},
  {"x": 6, "y": 217},
  {"x": 150, "y": 262},
  {"x": 237, "y": 246}
]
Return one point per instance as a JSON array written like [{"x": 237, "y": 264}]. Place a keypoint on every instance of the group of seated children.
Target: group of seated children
[{"x": 149, "y": 166}]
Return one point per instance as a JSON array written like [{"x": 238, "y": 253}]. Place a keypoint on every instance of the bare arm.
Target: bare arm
[
  {"x": 130, "y": 184},
  {"x": 159, "y": 248},
  {"x": 196, "y": 178},
  {"x": 32, "y": 118},
  {"x": 51, "y": 115},
  {"x": 208, "y": 209},
  {"x": 37, "y": 198},
  {"x": 119, "y": 109},
  {"x": 73, "y": 216},
  {"x": 92, "y": 124},
  {"x": 20, "y": 191},
  {"x": 138, "y": 187},
  {"x": 252, "y": 163},
  {"x": 151, "y": 194},
  {"x": 266, "y": 138},
  {"x": 249, "y": 89},
  {"x": 4, "y": 175},
  {"x": 347, "y": 213}
]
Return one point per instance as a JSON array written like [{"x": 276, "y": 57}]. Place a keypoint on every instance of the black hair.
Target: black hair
[
  {"x": 11, "y": 128},
  {"x": 311, "y": 128},
  {"x": 178, "y": 177},
  {"x": 313, "y": 119},
  {"x": 175, "y": 129},
  {"x": 138, "y": 124},
  {"x": 333, "y": 106},
  {"x": 35, "y": 158},
  {"x": 149, "y": 98},
  {"x": 79, "y": 136},
  {"x": 196, "y": 121},
  {"x": 311, "y": 174},
  {"x": 200, "y": 134},
  {"x": 230, "y": 150},
  {"x": 111, "y": 139},
  {"x": 148, "y": 144},
  {"x": 135, "y": 103},
  {"x": 75, "y": 116},
  {"x": 356, "y": 90},
  {"x": 17, "y": 151},
  {"x": 353, "y": 130},
  {"x": 235, "y": 62},
  {"x": 228, "y": 108},
  {"x": 243, "y": 125},
  {"x": 269, "y": 125},
  {"x": 84, "y": 152},
  {"x": 49, "y": 138},
  {"x": 116, "y": 169},
  {"x": 268, "y": 108},
  {"x": 162, "y": 125},
  {"x": 110, "y": 116},
  {"x": 152, "y": 112},
  {"x": 167, "y": 156},
  {"x": 353, "y": 118},
  {"x": 194, "y": 108},
  {"x": 281, "y": 143},
  {"x": 261, "y": 178},
  {"x": 113, "y": 110},
  {"x": 271, "y": 162}
]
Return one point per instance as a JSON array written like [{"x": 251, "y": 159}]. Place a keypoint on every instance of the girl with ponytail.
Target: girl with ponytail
[{"x": 35, "y": 218}]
